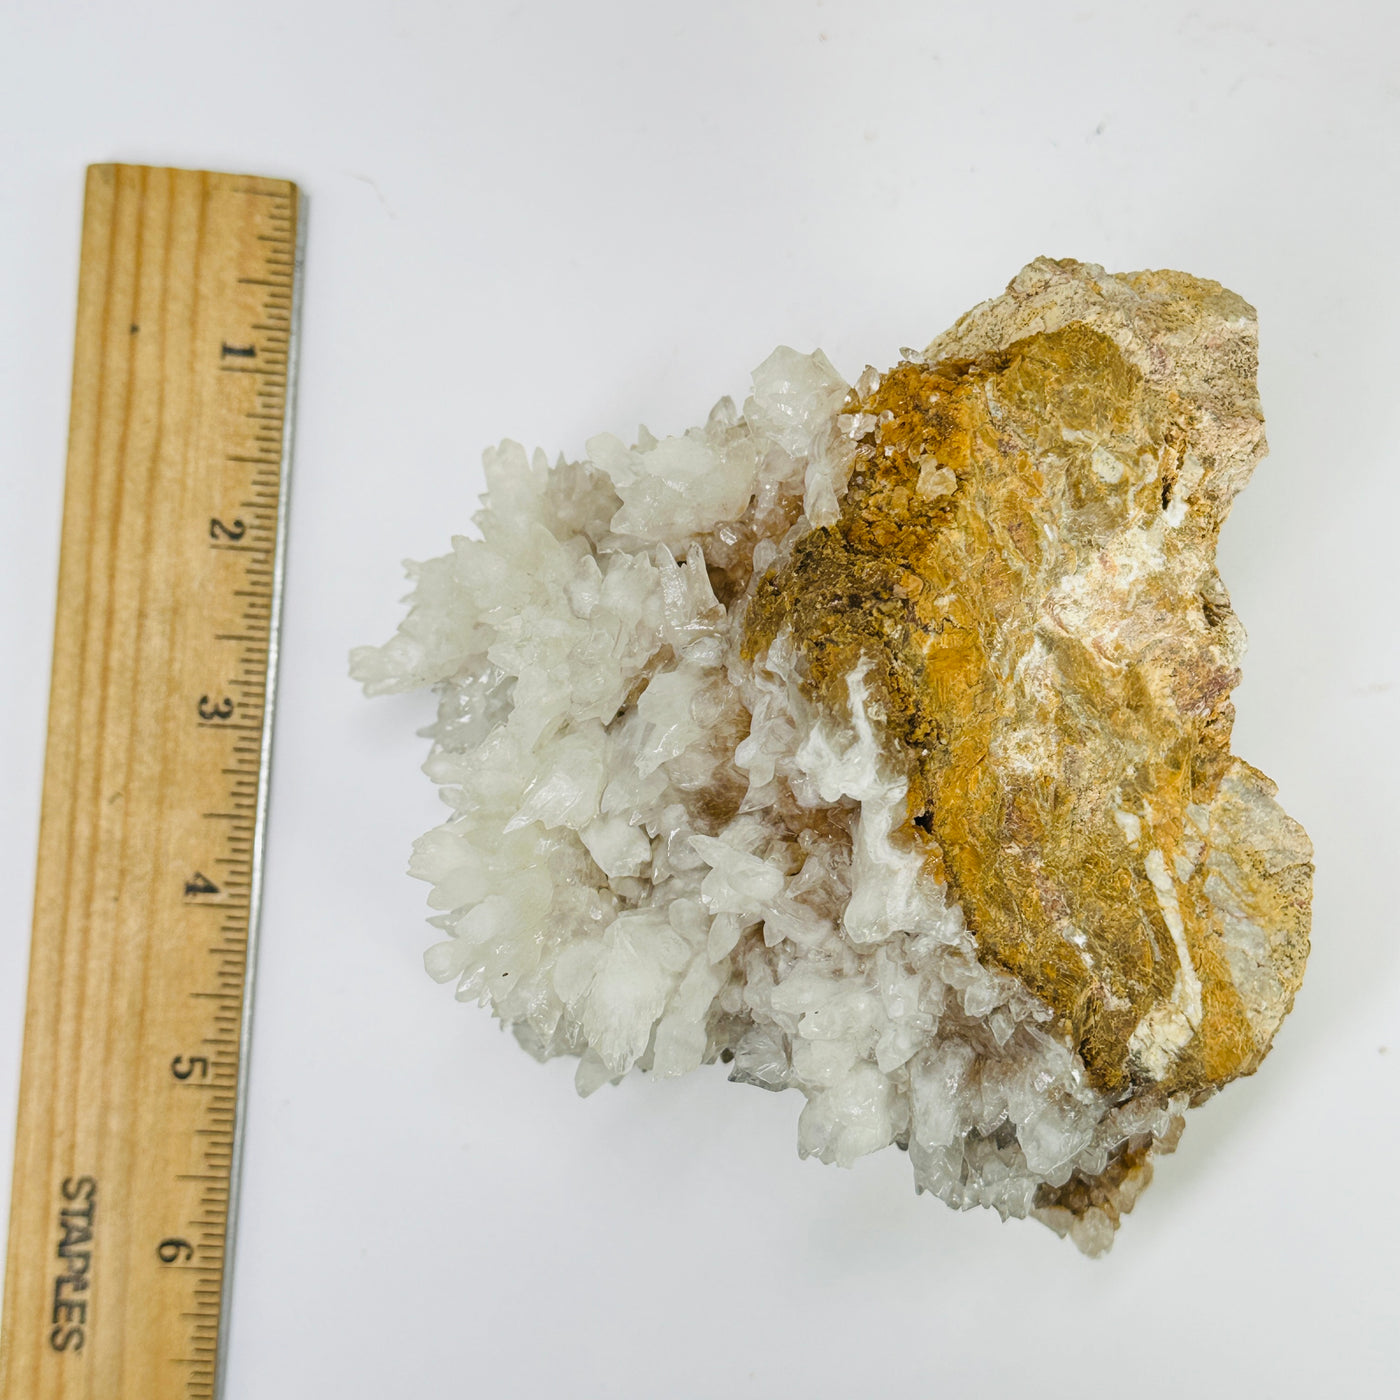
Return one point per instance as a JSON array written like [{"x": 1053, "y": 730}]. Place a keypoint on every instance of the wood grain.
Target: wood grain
[{"x": 164, "y": 631}]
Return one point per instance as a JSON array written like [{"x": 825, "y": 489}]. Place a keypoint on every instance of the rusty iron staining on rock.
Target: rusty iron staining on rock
[{"x": 1024, "y": 563}]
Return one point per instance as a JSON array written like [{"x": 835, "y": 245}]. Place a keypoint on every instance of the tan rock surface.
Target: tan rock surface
[{"x": 1024, "y": 557}]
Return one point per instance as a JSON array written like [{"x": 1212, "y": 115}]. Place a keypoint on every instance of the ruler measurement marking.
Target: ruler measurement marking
[{"x": 157, "y": 447}]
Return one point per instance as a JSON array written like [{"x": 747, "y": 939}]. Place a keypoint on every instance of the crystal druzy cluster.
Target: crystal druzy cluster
[{"x": 875, "y": 741}]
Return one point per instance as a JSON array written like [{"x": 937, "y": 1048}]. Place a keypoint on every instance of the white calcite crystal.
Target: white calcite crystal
[{"x": 670, "y": 845}]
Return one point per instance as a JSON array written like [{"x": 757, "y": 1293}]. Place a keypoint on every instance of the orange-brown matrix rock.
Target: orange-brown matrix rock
[{"x": 1024, "y": 560}]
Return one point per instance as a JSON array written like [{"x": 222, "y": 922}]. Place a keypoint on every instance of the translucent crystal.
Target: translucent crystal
[{"x": 743, "y": 768}]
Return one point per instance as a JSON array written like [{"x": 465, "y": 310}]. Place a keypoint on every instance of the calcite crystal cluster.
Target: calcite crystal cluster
[{"x": 875, "y": 741}]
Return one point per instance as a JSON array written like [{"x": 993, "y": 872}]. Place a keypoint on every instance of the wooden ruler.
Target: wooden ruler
[{"x": 155, "y": 788}]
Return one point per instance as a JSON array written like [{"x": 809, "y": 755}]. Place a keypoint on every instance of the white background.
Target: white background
[{"x": 543, "y": 220}]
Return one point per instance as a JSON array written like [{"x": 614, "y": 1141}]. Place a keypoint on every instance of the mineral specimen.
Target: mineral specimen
[{"x": 876, "y": 741}]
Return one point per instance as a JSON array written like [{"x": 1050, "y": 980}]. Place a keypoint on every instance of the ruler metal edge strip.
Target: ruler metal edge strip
[{"x": 255, "y": 879}]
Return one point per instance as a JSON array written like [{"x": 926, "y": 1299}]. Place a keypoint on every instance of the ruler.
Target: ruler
[{"x": 155, "y": 788}]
